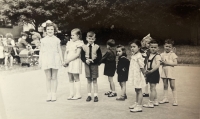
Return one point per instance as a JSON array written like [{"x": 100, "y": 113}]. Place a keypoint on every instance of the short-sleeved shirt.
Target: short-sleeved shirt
[
  {"x": 168, "y": 71},
  {"x": 156, "y": 59}
]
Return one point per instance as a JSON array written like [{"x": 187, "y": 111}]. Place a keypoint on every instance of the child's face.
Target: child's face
[
  {"x": 119, "y": 52},
  {"x": 146, "y": 43},
  {"x": 74, "y": 36},
  {"x": 134, "y": 48},
  {"x": 90, "y": 39},
  {"x": 167, "y": 47},
  {"x": 50, "y": 30},
  {"x": 24, "y": 37},
  {"x": 153, "y": 48}
]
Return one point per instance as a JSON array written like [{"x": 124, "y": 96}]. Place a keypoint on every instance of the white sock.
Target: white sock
[
  {"x": 78, "y": 88},
  {"x": 89, "y": 94},
  {"x": 95, "y": 94},
  {"x": 174, "y": 95},
  {"x": 71, "y": 89}
]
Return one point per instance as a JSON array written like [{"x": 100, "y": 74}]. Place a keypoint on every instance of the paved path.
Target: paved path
[{"x": 24, "y": 97}]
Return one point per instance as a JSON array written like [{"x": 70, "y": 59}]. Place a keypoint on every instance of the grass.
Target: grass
[{"x": 186, "y": 54}]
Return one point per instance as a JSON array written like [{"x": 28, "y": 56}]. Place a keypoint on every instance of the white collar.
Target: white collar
[{"x": 91, "y": 44}]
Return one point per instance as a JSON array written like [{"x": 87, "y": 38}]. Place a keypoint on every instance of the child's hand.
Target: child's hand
[
  {"x": 124, "y": 69},
  {"x": 148, "y": 72},
  {"x": 91, "y": 61},
  {"x": 88, "y": 61},
  {"x": 65, "y": 65}
]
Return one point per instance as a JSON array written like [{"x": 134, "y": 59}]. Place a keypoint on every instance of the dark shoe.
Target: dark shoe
[
  {"x": 125, "y": 96},
  {"x": 89, "y": 98},
  {"x": 145, "y": 95},
  {"x": 122, "y": 98},
  {"x": 96, "y": 99},
  {"x": 112, "y": 95},
  {"x": 108, "y": 93}
]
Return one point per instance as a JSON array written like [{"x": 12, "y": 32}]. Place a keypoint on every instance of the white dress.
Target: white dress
[
  {"x": 168, "y": 71},
  {"x": 135, "y": 75},
  {"x": 50, "y": 53},
  {"x": 74, "y": 66}
]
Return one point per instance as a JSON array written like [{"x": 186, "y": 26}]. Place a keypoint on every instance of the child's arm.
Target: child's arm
[
  {"x": 103, "y": 59},
  {"x": 158, "y": 59},
  {"x": 99, "y": 56},
  {"x": 173, "y": 63},
  {"x": 60, "y": 53},
  {"x": 76, "y": 55}
]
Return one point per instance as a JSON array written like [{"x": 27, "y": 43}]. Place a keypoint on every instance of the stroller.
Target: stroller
[{"x": 29, "y": 57}]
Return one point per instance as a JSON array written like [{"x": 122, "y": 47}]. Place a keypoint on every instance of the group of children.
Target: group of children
[
  {"x": 143, "y": 67},
  {"x": 10, "y": 49}
]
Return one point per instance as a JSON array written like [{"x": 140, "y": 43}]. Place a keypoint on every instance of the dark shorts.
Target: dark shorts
[
  {"x": 109, "y": 69},
  {"x": 153, "y": 77},
  {"x": 91, "y": 71}
]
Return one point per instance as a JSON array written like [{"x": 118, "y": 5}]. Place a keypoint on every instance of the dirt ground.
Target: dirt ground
[{"x": 23, "y": 96}]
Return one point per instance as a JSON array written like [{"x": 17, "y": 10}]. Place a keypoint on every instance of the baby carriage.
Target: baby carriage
[{"x": 28, "y": 57}]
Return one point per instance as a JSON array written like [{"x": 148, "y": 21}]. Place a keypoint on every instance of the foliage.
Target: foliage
[{"x": 130, "y": 18}]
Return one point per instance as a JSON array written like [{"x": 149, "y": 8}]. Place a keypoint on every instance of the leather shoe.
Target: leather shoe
[
  {"x": 89, "y": 98},
  {"x": 96, "y": 99}
]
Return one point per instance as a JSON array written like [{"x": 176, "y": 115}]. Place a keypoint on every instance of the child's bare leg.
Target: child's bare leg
[
  {"x": 71, "y": 86},
  {"x": 11, "y": 61},
  {"x": 78, "y": 86},
  {"x": 95, "y": 86},
  {"x": 6, "y": 61},
  {"x": 48, "y": 83},
  {"x": 15, "y": 50},
  {"x": 172, "y": 85},
  {"x": 112, "y": 85},
  {"x": 165, "y": 91},
  {"x": 54, "y": 83},
  {"x": 123, "y": 88},
  {"x": 153, "y": 91},
  {"x": 89, "y": 86},
  {"x": 139, "y": 96}
]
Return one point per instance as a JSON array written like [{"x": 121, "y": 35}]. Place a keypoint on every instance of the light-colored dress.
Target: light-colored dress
[
  {"x": 74, "y": 66},
  {"x": 135, "y": 75},
  {"x": 1, "y": 52},
  {"x": 50, "y": 53},
  {"x": 168, "y": 71}
]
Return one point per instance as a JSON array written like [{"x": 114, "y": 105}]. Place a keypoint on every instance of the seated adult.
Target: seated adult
[
  {"x": 33, "y": 32},
  {"x": 22, "y": 43}
]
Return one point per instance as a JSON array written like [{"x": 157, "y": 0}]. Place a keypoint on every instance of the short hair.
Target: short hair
[
  {"x": 51, "y": 24},
  {"x": 169, "y": 41},
  {"x": 78, "y": 32},
  {"x": 91, "y": 34},
  {"x": 136, "y": 41},
  {"x": 31, "y": 30},
  {"x": 24, "y": 34},
  {"x": 9, "y": 35},
  {"x": 123, "y": 50},
  {"x": 153, "y": 41},
  {"x": 35, "y": 36},
  {"x": 1, "y": 36},
  {"x": 111, "y": 43}
]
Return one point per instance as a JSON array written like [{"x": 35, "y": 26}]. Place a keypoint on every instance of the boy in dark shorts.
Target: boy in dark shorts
[
  {"x": 91, "y": 55},
  {"x": 152, "y": 73}
]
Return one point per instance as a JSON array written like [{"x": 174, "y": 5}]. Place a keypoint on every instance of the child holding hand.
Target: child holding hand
[{"x": 73, "y": 63}]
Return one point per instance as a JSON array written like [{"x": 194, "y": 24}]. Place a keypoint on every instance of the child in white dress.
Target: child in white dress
[
  {"x": 169, "y": 61},
  {"x": 136, "y": 74},
  {"x": 73, "y": 62},
  {"x": 50, "y": 60},
  {"x": 1, "y": 51}
]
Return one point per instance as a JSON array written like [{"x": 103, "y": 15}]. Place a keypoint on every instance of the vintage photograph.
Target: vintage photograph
[{"x": 99, "y": 59}]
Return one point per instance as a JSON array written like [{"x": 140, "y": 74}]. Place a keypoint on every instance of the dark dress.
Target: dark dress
[
  {"x": 153, "y": 77},
  {"x": 110, "y": 63},
  {"x": 123, "y": 69}
]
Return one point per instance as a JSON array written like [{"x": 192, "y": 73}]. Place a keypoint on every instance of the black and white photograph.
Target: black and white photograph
[{"x": 99, "y": 59}]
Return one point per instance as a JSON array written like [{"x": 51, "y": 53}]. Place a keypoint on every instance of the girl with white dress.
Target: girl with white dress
[
  {"x": 73, "y": 63},
  {"x": 50, "y": 60},
  {"x": 136, "y": 74}
]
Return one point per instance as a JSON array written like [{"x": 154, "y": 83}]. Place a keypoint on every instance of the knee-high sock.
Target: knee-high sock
[
  {"x": 78, "y": 88},
  {"x": 174, "y": 95},
  {"x": 71, "y": 89}
]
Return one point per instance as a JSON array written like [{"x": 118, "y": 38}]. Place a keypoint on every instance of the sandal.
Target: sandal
[
  {"x": 108, "y": 93},
  {"x": 122, "y": 98},
  {"x": 112, "y": 95}
]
